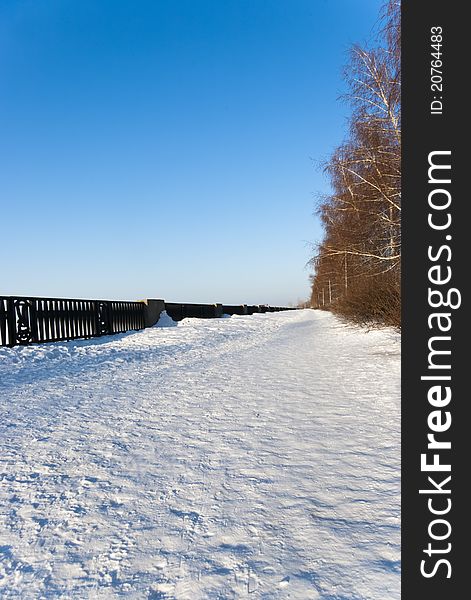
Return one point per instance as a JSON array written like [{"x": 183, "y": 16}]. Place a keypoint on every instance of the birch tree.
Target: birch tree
[{"x": 361, "y": 251}]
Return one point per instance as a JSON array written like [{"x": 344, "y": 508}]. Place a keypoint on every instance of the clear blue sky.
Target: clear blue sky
[{"x": 167, "y": 148}]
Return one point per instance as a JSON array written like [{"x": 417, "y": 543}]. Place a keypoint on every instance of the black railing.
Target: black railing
[
  {"x": 178, "y": 311},
  {"x": 26, "y": 321},
  {"x": 36, "y": 320}
]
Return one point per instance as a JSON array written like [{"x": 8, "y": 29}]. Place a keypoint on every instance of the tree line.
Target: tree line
[{"x": 357, "y": 266}]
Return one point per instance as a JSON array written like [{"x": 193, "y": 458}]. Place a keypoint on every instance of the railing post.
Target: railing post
[
  {"x": 11, "y": 322},
  {"x": 108, "y": 318},
  {"x": 98, "y": 313},
  {"x": 34, "y": 322},
  {"x": 152, "y": 307}
]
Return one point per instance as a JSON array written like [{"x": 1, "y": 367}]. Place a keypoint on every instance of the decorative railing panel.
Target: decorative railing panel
[{"x": 36, "y": 320}]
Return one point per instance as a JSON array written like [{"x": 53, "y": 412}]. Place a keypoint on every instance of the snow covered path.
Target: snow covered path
[{"x": 242, "y": 457}]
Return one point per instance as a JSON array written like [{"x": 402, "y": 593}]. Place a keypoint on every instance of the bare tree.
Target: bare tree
[{"x": 359, "y": 259}]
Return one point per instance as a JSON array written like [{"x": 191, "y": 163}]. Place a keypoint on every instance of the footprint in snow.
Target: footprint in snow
[
  {"x": 208, "y": 534},
  {"x": 269, "y": 570},
  {"x": 161, "y": 564},
  {"x": 161, "y": 590},
  {"x": 284, "y": 582}
]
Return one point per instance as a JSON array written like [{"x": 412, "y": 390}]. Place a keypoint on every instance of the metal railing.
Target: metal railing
[
  {"x": 30, "y": 320},
  {"x": 25, "y": 320}
]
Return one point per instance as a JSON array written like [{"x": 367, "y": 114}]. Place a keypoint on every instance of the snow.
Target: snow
[
  {"x": 253, "y": 456},
  {"x": 166, "y": 320}
]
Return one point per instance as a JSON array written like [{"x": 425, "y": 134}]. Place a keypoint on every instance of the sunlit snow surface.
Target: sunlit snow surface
[{"x": 243, "y": 457}]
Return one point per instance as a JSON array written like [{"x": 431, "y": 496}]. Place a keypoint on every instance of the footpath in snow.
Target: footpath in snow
[{"x": 245, "y": 457}]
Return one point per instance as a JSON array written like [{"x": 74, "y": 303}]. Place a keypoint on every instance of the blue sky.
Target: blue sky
[{"x": 168, "y": 148}]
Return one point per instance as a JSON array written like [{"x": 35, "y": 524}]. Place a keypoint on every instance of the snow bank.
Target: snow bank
[{"x": 165, "y": 320}]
